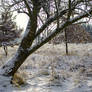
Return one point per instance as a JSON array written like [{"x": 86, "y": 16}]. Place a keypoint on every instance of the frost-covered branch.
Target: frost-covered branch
[
  {"x": 49, "y": 21},
  {"x": 55, "y": 32}
]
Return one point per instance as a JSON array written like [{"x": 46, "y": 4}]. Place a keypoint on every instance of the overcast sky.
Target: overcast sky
[{"x": 22, "y": 20}]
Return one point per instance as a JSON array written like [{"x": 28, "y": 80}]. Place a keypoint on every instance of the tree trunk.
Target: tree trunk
[
  {"x": 66, "y": 43},
  {"x": 22, "y": 53},
  {"x": 12, "y": 65}
]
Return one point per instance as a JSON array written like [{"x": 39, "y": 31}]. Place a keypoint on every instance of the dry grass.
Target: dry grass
[
  {"x": 19, "y": 78},
  {"x": 45, "y": 60}
]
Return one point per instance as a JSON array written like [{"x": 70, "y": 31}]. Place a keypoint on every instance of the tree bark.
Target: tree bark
[
  {"x": 66, "y": 42},
  {"x": 22, "y": 53}
]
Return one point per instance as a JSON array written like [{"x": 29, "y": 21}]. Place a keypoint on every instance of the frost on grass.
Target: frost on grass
[
  {"x": 54, "y": 71},
  {"x": 9, "y": 64},
  {"x": 50, "y": 70}
]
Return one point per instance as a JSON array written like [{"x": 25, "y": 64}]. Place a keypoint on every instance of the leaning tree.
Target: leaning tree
[{"x": 52, "y": 14}]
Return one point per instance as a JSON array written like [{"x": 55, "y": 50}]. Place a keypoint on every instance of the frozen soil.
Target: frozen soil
[{"x": 50, "y": 70}]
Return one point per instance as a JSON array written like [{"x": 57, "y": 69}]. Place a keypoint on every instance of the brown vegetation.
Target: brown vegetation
[{"x": 75, "y": 34}]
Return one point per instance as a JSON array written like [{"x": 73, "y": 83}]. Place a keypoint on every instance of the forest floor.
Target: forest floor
[{"x": 49, "y": 69}]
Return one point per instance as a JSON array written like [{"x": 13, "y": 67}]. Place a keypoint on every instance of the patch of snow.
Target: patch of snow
[{"x": 51, "y": 70}]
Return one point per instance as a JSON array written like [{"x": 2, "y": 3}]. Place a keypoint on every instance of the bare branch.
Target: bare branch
[{"x": 55, "y": 32}]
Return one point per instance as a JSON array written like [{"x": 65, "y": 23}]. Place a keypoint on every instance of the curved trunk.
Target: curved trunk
[
  {"x": 12, "y": 65},
  {"x": 22, "y": 53}
]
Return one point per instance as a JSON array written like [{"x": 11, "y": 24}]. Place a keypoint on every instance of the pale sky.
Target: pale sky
[{"x": 22, "y": 20}]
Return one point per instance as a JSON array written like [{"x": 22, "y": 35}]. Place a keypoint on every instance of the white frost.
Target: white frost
[{"x": 69, "y": 68}]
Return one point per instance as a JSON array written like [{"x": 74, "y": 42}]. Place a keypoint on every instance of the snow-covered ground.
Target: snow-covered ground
[{"x": 50, "y": 70}]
